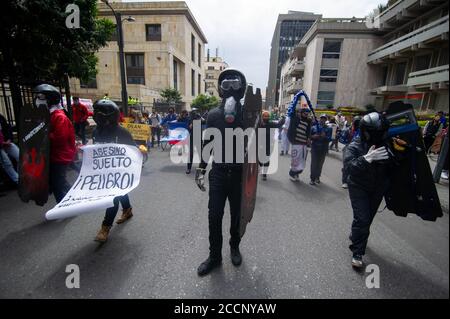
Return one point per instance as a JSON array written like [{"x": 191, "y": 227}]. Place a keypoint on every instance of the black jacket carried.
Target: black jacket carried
[
  {"x": 116, "y": 135},
  {"x": 362, "y": 174}
]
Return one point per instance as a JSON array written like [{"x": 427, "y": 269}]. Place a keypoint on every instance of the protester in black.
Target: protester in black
[
  {"x": 224, "y": 178},
  {"x": 367, "y": 164},
  {"x": 106, "y": 116}
]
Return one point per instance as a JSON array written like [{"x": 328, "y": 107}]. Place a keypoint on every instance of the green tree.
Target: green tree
[
  {"x": 37, "y": 45},
  {"x": 205, "y": 102},
  {"x": 171, "y": 95}
]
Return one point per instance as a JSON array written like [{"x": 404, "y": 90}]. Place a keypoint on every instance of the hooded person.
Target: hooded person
[
  {"x": 225, "y": 177},
  {"x": 299, "y": 134},
  {"x": 61, "y": 137},
  {"x": 106, "y": 116},
  {"x": 367, "y": 163}
]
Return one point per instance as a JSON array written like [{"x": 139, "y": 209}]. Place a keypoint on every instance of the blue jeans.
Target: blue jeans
[
  {"x": 13, "y": 151},
  {"x": 112, "y": 211}
]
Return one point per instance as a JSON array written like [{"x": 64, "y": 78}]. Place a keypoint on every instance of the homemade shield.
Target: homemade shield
[
  {"x": 251, "y": 113},
  {"x": 412, "y": 189},
  {"x": 34, "y": 154}
]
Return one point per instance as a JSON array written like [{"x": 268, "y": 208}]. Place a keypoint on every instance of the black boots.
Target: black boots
[
  {"x": 208, "y": 265},
  {"x": 211, "y": 263},
  {"x": 236, "y": 258}
]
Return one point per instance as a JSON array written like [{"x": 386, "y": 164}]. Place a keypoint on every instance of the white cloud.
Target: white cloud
[{"x": 243, "y": 29}]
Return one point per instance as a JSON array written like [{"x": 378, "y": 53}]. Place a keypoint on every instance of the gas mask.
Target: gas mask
[
  {"x": 230, "y": 88},
  {"x": 230, "y": 109},
  {"x": 40, "y": 100}
]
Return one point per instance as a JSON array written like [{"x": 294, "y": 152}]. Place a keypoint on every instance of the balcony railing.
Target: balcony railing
[
  {"x": 429, "y": 76},
  {"x": 297, "y": 68},
  {"x": 434, "y": 29},
  {"x": 294, "y": 86}
]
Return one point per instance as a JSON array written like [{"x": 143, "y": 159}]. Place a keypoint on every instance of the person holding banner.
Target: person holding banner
[{"x": 106, "y": 116}]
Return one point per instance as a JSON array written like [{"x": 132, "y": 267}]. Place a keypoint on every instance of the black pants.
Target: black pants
[
  {"x": 156, "y": 131},
  {"x": 111, "y": 212},
  {"x": 191, "y": 151},
  {"x": 365, "y": 206},
  {"x": 80, "y": 130},
  {"x": 318, "y": 156},
  {"x": 223, "y": 184},
  {"x": 58, "y": 182}
]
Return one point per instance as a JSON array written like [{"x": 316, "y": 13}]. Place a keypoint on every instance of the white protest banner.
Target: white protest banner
[{"x": 108, "y": 171}]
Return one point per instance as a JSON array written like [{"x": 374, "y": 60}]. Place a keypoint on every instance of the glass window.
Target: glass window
[
  {"x": 331, "y": 49},
  {"x": 400, "y": 73},
  {"x": 135, "y": 68},
  {"x": 193, "y": 82},
  {"x": 328, "y": 75},
  {"x": 422, "y": 62},
  {"x": 91, "y": 84},
  {"x": 175, "y": 74},
  {"x": 210, "y": 68},
  {"x": 153, "y": 32},
  {"x": 192, "y": 48},
  {"x": 325, "y": 98},
  {"x": 199, "y": 85},
  {"x": 114, "y": 36},
  {"x": 199, "y": 55}
]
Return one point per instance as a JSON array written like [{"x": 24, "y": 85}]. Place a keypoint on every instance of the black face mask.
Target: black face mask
[{"x": 375, "y": 137}]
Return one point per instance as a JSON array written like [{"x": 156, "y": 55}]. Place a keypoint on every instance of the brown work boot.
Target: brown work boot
[
  {"x": 126, "y": 215},
  {"x": 103, "y": 233}
]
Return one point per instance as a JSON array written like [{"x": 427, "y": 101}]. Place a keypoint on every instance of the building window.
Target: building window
[
  {"x": 199, "y": 84},
  {"x": 153, "y": 32},
  {"x": 331, "y": 49},
  {"x": 328, "y": 75},
  {"x": 175, "y": 74},
  {"x": 199, "y": 55},
  {"x": 91, "y": 84},
  {"x": 400, "y": 73},
  {"x": 325, "y": 98},
  {"x": 211, "y": 68},
  {"x": 135, "y": 68},
  {"x": 422, "y": 62},
  {"x": 192, "y": 82},
  {"x": 192, "y": 48}
]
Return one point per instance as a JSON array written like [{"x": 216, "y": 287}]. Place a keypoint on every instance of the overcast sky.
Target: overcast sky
[{"x": 243, "y": 29}]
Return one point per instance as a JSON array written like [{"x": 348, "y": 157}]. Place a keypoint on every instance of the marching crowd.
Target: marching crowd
[{"x": 300, "y": 133}]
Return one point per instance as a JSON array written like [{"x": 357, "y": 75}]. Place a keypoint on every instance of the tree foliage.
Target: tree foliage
[
  {"x": 205, "y": 102},
  {"x": 36, "y": 43},
  {"x": 171, "y": 95}
]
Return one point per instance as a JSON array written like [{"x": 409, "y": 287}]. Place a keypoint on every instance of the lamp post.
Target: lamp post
[{"x": 119, "y": 20}]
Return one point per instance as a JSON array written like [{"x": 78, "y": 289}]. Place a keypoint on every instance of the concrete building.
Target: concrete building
[
  {"x": 289, "y": 30},
  {"x": 213, "y": 67},
  {"x": 330, "y": 64},
  {"x": 413, "y": 57},
  {"x": 164, "y": 48}
]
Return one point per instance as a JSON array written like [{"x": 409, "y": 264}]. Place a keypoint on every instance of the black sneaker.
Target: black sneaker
[
  {"x": 236, "y": 258},
  {"x": 188, "y": 171},
  {"x": 312, "y": 182},
  {"x": 282, "y": 153},
  {"x": 317, "y": 181},
  {"x": 357, "y": 262},
  {"x": 264, "y": 177},
  {"x": 208, "y": 265}
]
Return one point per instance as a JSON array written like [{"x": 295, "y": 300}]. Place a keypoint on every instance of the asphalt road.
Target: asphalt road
[{"x": 296, "y": 246}]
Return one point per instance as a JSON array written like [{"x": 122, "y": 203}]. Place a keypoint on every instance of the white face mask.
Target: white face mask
[{"x": 230, "y": 110}]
